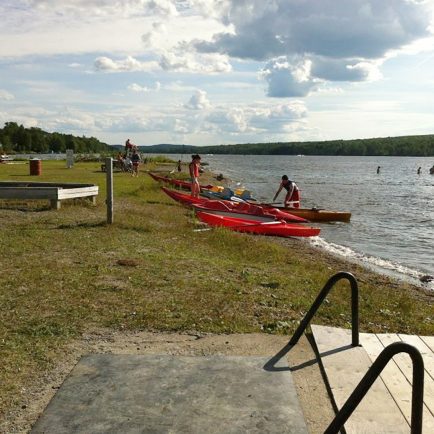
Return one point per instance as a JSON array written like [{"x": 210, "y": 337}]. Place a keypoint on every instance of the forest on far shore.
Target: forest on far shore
[
  {"x": 16, "y": 138},
  {"x": 411, "y": 146}
]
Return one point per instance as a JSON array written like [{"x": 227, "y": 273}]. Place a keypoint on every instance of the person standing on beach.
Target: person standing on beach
[
  {"x": 419, "y": 170},
  {"x": 292, "y": 198},
  {"x": 378, "y": 169},
  {"x": 194, "y": 168},
  {"x": 135, "y": 159}
]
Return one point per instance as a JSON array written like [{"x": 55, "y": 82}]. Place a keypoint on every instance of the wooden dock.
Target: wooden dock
[{"x": 387, "y": 406}]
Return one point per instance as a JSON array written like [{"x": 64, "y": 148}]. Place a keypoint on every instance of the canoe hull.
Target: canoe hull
[
  {"x": 185, "y": 185},
  {"x": 238, "y": 207},
  {"x": 273, "y": 228},
  {"x": 317, "y": 215}
]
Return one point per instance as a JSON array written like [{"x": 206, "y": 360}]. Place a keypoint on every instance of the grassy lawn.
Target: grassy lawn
[{"x": 66, "y": 271}]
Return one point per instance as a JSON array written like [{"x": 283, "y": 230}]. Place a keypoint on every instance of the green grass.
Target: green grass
[{"x": 65, "y": 272}]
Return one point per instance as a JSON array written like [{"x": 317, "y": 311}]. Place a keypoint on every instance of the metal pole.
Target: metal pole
[{"x": 109, "y": 178}]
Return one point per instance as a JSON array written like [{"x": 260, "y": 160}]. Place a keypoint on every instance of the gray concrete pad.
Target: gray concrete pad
[{"x": 171, "y": 394}]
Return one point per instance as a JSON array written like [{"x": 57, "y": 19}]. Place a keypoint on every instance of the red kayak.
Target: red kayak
[
  {"x": 229, "y": 206},
  {"x": 186, "y": 185},
  {"x": 185, "y": 199},
  {"x": 275, "y": 228}
]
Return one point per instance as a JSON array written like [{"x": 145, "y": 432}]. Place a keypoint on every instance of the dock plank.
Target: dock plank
[
  {"x": 395, "y": 380},
  {"x": 392, "y": 377},
  {"x": 405, "y": 365},
  {"x": 345, "y": 366},
  {"x": 429, "y": 341},
  {"x": 425, "y": 350}
]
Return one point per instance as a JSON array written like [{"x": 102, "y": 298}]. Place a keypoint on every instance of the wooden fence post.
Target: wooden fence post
[{"x": 109, "y": 200}]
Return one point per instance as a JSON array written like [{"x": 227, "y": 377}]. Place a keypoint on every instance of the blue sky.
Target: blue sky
[{"x": 216, "y": 72}]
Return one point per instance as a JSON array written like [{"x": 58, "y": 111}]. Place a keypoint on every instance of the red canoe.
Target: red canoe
[
  {"x": 245, "y": 210},
  {"x": 275, "y": 228},
  {"x": 228, "y": 206},
  {"x": 186, "y": 185}
]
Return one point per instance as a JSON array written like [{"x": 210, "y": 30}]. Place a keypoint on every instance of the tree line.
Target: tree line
[
  {"x": 16, "y": 138},
  {"x": 411, "y": 146}
]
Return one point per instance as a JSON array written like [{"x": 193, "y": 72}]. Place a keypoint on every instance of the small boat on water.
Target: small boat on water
[
  {"x": 225, "y": 207},
  {"x": 314, "y": 214},
  {"x": 273, "y": 228}
]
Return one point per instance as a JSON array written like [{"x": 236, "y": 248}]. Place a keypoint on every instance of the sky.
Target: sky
[{"x": 205, "y": 72}]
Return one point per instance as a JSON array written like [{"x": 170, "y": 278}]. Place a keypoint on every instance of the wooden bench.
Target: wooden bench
[{"x": 54, "y": 192}]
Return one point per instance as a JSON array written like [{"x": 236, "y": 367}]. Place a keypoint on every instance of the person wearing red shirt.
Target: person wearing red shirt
[{"x": 194, "y": 168}]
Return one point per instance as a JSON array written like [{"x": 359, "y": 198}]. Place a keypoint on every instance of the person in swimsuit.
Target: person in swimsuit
[
  {"x": 194, "y": 168},
  {"x": 292, "y": 198}
]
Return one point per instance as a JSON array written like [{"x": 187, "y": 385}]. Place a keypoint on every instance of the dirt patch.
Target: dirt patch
[{"x": 306, "y": 374}]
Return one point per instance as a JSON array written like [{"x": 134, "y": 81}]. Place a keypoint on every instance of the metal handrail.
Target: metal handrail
[
  {"x": 371, "y": 375},
  {"x": 320, "y": 298}
]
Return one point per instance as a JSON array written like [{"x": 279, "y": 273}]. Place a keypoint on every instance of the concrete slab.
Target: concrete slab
[{"x": 170, "y": 394}]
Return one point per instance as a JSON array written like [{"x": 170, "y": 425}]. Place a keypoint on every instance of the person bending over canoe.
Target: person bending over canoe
[
  {"x": 194, "y": 168},
  {"x": 292, "y": 198}
]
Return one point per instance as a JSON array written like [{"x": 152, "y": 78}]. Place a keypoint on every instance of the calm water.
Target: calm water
[{"x": 392, "y": 212}]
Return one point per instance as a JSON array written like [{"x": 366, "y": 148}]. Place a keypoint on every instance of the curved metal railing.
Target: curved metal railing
[
  {"x": 371, "y": 375},
  {"x": 320, "y": 298}
]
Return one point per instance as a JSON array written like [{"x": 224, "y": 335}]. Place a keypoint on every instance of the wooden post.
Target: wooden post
[{"x": 109, "y": 200}]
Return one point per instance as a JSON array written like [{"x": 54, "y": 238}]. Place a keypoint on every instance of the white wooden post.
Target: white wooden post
[{"x": 109, "y": 200}]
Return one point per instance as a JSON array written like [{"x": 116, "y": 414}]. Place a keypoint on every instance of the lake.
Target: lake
[{"x": 391, "y": 228}]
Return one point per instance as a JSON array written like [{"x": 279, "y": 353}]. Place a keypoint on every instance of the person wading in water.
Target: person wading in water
[{"x": 292, "y": 198}]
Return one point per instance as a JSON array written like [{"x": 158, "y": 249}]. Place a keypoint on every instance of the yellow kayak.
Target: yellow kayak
[{"x": 316, "y": 214}]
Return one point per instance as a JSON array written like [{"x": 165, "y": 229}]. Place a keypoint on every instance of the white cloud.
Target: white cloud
[
  {"x": 198, "y": 101},
  {"x": 134, "y": 87},
  {"x": 5, "y": 95},
  {"x": 337, "y": 28},
  {"x": 256, "y": 118},
  {"x": 337, "y": 40},
  {"x": 194, "y": 62},
  {"x": 288, "y": 79},
  {"x": 102, "y": 8},
  {"x": 105, "y": 64},
  {"x": 232, "y": 120}
]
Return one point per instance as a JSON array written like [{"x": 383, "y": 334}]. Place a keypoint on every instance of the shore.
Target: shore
[{"x": 150, "y": 283}]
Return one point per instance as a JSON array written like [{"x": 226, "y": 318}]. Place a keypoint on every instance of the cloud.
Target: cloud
[
  {"x": 134, "y": 87},
  {"x": 232, "y": 120},
  {"x": 194, "y": 62},
  {"x": 102, "y": 8},
  {"x": 332, "y": 40},
  {"x": 198, "y": 101},
  {"x": 258, "y": 119},
  {"x": 287, "y": 79},
  {"x": 5, "y": 95},
  {"x": 333, "y": 28},
  {"x": 105, "y": 64}
]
